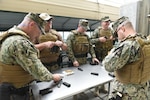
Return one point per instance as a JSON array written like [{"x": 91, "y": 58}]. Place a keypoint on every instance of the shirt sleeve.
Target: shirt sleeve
[
  {"x": 118, "y": 57},
  {"x": 91, "y": 49},
  {"x": 70, "y": 48},
  {"x": 26, "y": 55},
  {"x": 94, "y": 37}
]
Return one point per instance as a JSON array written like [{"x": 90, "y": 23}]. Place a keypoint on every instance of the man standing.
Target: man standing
[
  {"x": 79, "y": 45},
  {"x": 102, "y": 38},
  {"x": 129, "y": 59},
  {"x": 19, "y": 63},
  {"x": 49, "y": 56}
]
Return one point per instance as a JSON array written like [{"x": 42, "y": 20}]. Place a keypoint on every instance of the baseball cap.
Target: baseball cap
[
  {"x": 45, "y": 16},
  {"x": 119, "y": 22},
  {"x": 84, "y": 23},
  {"x": 105, "y": 19},
  {"x": 40, "y": 22}
]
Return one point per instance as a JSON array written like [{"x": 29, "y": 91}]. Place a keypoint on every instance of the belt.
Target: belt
[
  {"x": 20, "y": 91},
  {"x": 7, "y": 87},
  {"x": 81, "y": 55}
]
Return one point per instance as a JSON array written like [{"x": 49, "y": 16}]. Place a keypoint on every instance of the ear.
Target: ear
[{"x": 32, "y": 23}]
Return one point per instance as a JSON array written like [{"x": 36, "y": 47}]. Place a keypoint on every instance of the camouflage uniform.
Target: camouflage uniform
[
  {"x": 18, "y": 50},
  {"x": 81, "y": 55},
  {"x": 102, "y": 48},
  {"x": 18, "y": 56},
  {"x": 48, "y": 56},
  {"x": 51, "y": 57},
  {"x": 125, "y": 52}
]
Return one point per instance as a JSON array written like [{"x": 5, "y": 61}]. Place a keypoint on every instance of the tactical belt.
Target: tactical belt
[
  {"x": 50, "y": 64},
  {"x": 81, "y": 55},
  {"x": 9, "y": 88}
]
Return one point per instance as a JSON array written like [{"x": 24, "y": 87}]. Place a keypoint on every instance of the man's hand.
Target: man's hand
[
  {"x": 95, "y": 60},
  {"x": 111, "y": 38},
  {"x": 49, "y": 44},
  {"x": 59, "y": 43},
  {"x": 76, "y": 63},
  {"x": 102, "y": 39},
  {"x": 57, "y": 77}
]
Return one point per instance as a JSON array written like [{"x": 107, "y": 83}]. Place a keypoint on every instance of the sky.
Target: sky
[{"x": 116, "y": 3}]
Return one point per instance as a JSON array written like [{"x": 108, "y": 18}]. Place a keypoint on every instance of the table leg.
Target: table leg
[{"x": 75, "y": 97}]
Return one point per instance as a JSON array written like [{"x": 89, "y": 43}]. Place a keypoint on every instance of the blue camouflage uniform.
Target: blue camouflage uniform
[
  {"x": 18, "y": 50},
  {"x": 125, "y": 60},
  {"x": 19, "y": 63}
]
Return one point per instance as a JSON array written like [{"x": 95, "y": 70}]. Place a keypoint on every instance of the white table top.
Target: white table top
[{"x": 80, "y": 81}]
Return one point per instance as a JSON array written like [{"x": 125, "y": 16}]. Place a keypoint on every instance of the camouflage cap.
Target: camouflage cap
[
  {"x": 118, "y": 22},
  {"x": 84, "y": 23},
  {"x": 40, "y": 22},
  {"x": 105, "y": 19},
  {"x": 45, "y": 16}
]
